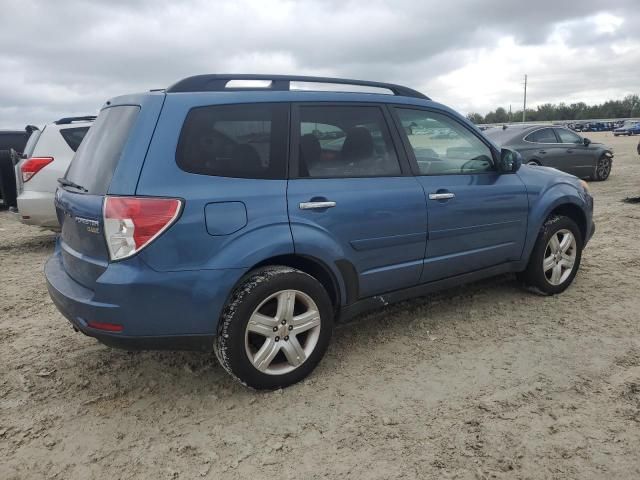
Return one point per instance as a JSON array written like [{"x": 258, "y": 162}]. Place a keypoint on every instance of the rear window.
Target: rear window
[
  {"x": 98, "y": 155},
  {"x": 244, "y": 141},
  {"x": 74, "y": 136}
]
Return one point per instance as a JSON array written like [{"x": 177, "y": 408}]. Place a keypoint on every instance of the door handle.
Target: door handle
[
  {"x": 316, "y": 205},
  {"x": 569, "y": 150},
  {"x": 441, "y": 196},
  {"x": 543, "y": 152}
]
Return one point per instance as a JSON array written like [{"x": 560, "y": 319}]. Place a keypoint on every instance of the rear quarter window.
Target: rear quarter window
[
  {"x": 74, "y": 136},
  {"x": 98, "y": 154},
  {"x": 243, "y": 141}
]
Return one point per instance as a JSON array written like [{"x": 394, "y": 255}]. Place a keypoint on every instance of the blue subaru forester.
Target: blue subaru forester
[{"x": 246, "y": 214}]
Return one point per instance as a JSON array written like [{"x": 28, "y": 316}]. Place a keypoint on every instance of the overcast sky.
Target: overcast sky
[{"x": 67, "y": 57}]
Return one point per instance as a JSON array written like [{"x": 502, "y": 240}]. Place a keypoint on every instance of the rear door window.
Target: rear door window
[
  {"x": 345, "y": 141},
  {"x": 98, "y": 155},
  {"x": 74, "y": 136},
  {"x": 243, "y": 141},
  {"x": 544, "y": 135}
]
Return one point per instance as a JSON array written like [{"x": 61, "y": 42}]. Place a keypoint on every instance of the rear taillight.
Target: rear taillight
[
  {"x": 131, "y": 223},
  {"x": 33, "y": 166}
]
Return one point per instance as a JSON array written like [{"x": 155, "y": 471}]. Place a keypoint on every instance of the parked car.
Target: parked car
[
  {"x": 14, "y": 139},
  {"x": 557, "y": 147},
  {"x": 189, "y": 222},
  {"x": 47, "y": 157},
  {"x": 12, "y": 143},
  {"x": 628, "y": 129}
]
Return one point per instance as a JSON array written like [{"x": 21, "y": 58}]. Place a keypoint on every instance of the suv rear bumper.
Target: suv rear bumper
[
  {"x": 37, "y": 208},
  {"x": 157, "y": 316}
]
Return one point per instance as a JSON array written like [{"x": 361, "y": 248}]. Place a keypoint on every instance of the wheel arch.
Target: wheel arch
[
  {"x": 332, "y": 279},
  {"x": 562, "y": 199},
  {"x": 575, "y": 213}
]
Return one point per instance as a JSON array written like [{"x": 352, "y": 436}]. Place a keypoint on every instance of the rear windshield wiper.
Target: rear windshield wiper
[{"x": 68, "y": 183}]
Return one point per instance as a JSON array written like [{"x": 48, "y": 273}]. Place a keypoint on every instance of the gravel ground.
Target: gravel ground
[{"x": 486, "y": 381}]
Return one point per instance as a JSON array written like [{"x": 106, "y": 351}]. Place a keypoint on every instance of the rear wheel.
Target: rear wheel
[
  {"x": 556, "y": 256},
  {"x": 533, "y": 162},
  {"x": 603, "y": 169},
  {"x": 275, "y": 329}
]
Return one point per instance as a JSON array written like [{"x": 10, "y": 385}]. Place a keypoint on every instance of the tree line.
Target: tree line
[{"x": 629, "y": 106}]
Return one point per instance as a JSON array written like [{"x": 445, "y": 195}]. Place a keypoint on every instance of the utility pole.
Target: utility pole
[{"x": 524, "y": 108}]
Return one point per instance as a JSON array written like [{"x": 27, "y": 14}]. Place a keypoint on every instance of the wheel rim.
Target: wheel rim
[
  {"x": 533, "y": 163},
  {"x": 282, "y": 332},
  {"x": 559, "y": 257},
  {"x": 604, "y": 168}
]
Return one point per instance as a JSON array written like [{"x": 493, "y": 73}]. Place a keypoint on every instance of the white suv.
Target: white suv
[{"x": 46, "y": 158}]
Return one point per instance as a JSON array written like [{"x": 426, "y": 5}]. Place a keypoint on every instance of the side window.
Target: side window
[
  {"x": 346, "y": 141},
  {"x": 74, "y": 136},
  {"x": 544, "y": 135},
  {"x": 245, "y": 141},
  {"x": 567, "y": 137},
  {"x": 442, "y": 146}
]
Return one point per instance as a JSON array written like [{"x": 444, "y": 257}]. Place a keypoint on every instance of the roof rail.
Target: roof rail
[
  {"x": 218, "y": 83},
  {"x": 67, "y": 120}
]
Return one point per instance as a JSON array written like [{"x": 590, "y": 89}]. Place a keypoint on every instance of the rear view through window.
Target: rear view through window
[
  {"x": 98, "y": 155},
  {"x": 246, "y": 141}
]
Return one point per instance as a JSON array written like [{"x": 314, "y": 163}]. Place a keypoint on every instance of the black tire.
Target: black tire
[
  {"x": 254, "y": 289},
  {"x": 603, "y": 169},
  {"x": 534, "y": 275}
]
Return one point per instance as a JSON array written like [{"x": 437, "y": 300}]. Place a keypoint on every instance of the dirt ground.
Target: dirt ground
[{"x": 486, "y": 381}]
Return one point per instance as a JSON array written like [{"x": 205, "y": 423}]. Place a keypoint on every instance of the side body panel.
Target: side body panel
[
  {"x": 378, "y": 225},
  {"x": 483, "y": 225}
]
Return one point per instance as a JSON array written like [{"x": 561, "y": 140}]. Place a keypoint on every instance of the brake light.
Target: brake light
[
  {"x": 132, "y": 223},
  {"x": 33, "y": 166}
]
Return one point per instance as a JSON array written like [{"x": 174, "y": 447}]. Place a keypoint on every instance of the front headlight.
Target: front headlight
[{"x": 585, "y": 185}]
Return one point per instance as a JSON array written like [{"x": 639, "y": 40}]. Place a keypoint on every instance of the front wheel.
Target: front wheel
[
  {"x": 556, "y": 256},
  {"x": 275, "y": 328},
  {"x": 603, "y": 169}
]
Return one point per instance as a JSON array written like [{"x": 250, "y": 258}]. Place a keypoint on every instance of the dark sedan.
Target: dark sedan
[{"x": 557, "y": 147}]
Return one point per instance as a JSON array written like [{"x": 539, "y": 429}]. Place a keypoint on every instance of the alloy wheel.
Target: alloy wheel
[
  {"x": 282, "y": 332},
  {"x": 559, "y": 257},
  {"x": 604, "y": 168}
]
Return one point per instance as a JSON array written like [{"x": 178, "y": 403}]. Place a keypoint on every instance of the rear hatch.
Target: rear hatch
[{"x": 80, "y": 199}]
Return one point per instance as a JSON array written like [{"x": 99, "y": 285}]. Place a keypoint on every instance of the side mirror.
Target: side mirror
[
  {"x": 510, "y": 161},
  {"x": 586, "y": 142}
]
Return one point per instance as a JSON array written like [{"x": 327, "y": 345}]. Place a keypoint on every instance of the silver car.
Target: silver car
[{"x": 46, "y": 158}]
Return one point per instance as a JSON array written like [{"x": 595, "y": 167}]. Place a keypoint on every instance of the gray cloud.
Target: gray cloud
[{"x": 66, "y": 57}]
